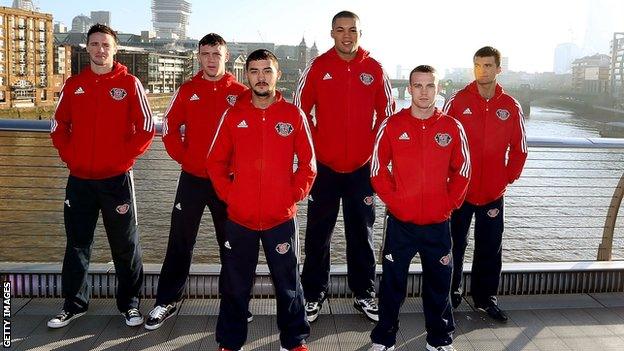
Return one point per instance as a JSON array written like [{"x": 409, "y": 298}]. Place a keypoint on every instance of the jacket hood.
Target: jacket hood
[
  {"x": 117, "y": 71},
  {"x": 472, "y": 88},
  {"x": 360, "y": 55},
  {"x": 244, "y": 99},
  {"x": 225, "y": 81}
]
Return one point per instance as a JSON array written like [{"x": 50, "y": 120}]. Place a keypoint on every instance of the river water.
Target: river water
[{"x": 555, "y": 212}]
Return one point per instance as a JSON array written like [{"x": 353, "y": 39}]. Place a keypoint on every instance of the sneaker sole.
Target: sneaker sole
[
  {"x": 63, "y": 324},
  {"x": 134, "y": 324},
  {"x": 371, "y": 317},
  {"x": 312, "y": 318},
  {"x": 492, "y": 318}
]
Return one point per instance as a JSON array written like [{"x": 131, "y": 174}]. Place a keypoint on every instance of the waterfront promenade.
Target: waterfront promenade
[{"x": 538, "y": 322}]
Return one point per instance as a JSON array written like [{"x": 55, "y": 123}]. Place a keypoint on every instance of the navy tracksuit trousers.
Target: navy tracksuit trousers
[
  {"x": 487, "y": 259},
  {"x": 433, "y": 244},
  {"x": 238, "y": 266},
  {"x": 359, "y": 215},
  {"x": 84, "y": 199},
  {"x": 192, "y": 196}
]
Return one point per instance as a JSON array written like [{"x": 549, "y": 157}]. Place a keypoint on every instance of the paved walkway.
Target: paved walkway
[{"x": 543, "y": 322}]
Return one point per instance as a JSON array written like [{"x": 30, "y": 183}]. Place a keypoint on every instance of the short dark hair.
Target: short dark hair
[
  {"x": 488, "y": 51},
  {"x": 212, "y": 39},
  {"x": 422, "y": 69},
  {"x": 344, "y": 14},
  {"x": 102, "y": 28},
  {"x": 261, "y": 54}
]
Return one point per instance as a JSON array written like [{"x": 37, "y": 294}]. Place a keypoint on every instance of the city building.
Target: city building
[
  {"x": 171, "y": 18},
  {"x": 60, "y": 27},
  {"x": 81, "y": 24},
  {"x": 159, "y": 72},
  {"x": 101, "y": 17},
  {"x": 504, "y": 64},
  {"x": 24, "y": 5},
  {"x": 565, "y": 53},
  {"x": 26, "y": 58},
  {"x": 590, "y": 74},
  {"x": 616, "y": 74}
]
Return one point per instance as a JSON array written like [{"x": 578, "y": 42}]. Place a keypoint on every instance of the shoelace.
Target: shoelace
[
  {"x": 158, "y": 312},
  {"x": 61, "y": 316},
  {"x": 311, "y": 306},
  {"x": 370, "y": 303},
  {"x": 133, "y": 312}
]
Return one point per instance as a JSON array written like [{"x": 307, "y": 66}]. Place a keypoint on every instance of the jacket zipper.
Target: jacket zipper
[
  {"x": 95, "y": 120},
  {"x": 422, "y": 166},
  {"x": 348, "y": 115},
  {"x": 262, "y": 130}
]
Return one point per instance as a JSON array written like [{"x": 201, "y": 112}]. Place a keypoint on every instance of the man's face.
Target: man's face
[
  {"x": 346, "y": 34},
  {"x": 262, "y": 76},
  {"x": 485, "y": 69},
  {"x": 423, "y": 88},
  {"x": 212, "y": 59},
  {"x": 101, "y": 48}
]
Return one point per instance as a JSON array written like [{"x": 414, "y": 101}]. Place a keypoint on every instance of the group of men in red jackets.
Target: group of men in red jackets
[{"x": 433, "y": 169}]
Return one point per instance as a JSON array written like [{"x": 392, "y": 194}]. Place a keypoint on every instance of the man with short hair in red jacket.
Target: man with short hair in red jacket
[
  {"x": 197, "y": 106},
  {"x": 250, "y": 163},
  {"x": 102, "y": 123},
  {"x": 430, "y": 161},
  {"x": 494, "y": 124},
  {"x": 351, "y": 95}
]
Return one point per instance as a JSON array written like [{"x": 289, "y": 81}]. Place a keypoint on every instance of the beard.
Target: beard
[{"x": 265, "y": 93}]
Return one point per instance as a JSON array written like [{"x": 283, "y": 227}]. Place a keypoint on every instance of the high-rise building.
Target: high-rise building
[
  {"x": 101, "y": 17},
  {"x": 505, "y": 64},
  {"x": 26, "y": 58},
  {"x": 565, "y": 53},
  {"x": 616, "y": 74},
  {"x": 60, "y": 27},
  {"x": 81, "y": 24},
  {"x": 171, "y": 18},
  {"x": 24, "y": 5}
]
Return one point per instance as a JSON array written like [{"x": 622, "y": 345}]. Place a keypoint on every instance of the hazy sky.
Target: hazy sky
[{"x": 444, "y": 34}]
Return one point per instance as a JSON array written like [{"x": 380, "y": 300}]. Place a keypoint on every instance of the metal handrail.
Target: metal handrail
[{"x": 605, "y": 248}]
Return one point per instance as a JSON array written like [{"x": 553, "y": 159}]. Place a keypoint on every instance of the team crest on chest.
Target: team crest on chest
[
  {"x": 443, "y": 139},
  {"x": 366, "y": 78},
  {"x": 284, "y": 129},
  {"x": 118, "y": 93},
  {"x": 502, "y": 114},
  {"x": 231, "y": 99}
]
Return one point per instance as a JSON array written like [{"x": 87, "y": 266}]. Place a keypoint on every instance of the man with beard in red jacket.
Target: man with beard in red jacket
[
  {"x": 197, "y": 106},
  {"x": 102, "y": 123},
  {"x": 351, "y": 95},
  {"x": 430, "y": 161},
  {"x": 494, "y": 124},
  {"x": 251, "y": 166}
]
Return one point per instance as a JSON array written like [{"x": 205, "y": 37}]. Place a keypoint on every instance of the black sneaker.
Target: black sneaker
[
  {"x": 456, "y": 300},
  {"x": 63, "y": 318},
  {"x": 159, "y": 314},
  {"x": 313, "y": 308},
  {"x": 249, "y": 317},
  {"x": 494, "y": 312},
  {"x": 368, "y": 306},
  {"x": 133, "y": 317}
]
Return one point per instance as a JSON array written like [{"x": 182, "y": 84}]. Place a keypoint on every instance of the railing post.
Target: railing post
[{"x": 606, "y": 246}]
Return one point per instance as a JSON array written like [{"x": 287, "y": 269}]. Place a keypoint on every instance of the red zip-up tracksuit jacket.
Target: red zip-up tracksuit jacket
[
  {"x": 494, "y": 127},
  {"x": 102, "y": 123},
  {"x": 198, "y": 106},
  {"x": 430, "y": 166},
  {"x": 258, "y": 146},
  {"x": 350, "y": 99}
]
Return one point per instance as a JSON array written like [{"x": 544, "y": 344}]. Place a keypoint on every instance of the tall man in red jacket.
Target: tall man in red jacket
[
  {"x": 430, "y": 173},
  {"x": 251, "y": 166},
  {"x": 198, "y": 106},
  {"x": 495, "y": 128},
  {"x": 101, "y": 125},
  {"x": 351, "y": 95}
]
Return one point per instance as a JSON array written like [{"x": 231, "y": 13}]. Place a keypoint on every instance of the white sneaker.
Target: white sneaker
[
  {"x": 313, "y": 308},
  {"x": 380, "y": 347},
  {"x": 133, "y": 317},
  {"x": 63, "y": 318},
  {"x": 368, "y": 306},
  {"x": 448, "y": 347}
]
